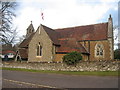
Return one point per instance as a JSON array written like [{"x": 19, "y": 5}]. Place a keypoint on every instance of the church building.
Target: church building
[{"x": 94, "y": 42}]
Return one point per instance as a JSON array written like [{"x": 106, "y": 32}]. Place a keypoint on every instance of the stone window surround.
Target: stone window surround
[{"x": 100, "y": 48}]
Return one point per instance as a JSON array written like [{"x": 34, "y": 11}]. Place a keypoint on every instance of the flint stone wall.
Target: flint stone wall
[{"x": 82, "y": 66}]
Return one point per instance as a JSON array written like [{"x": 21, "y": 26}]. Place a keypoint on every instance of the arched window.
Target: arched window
[
  {"x": 39, "y": 50},
  {"x": 99, "y": 50}
]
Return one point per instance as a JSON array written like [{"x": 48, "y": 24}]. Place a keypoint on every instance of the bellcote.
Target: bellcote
[{"x": 30, "y": 30}]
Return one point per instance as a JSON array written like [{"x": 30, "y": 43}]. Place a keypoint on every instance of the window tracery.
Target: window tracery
[{"x": 99, "y": 50}]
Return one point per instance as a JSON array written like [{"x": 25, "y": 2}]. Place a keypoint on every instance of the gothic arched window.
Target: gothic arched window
[
  {"x": 39, "y": 50},
  {"x": 99, "y": 50}
]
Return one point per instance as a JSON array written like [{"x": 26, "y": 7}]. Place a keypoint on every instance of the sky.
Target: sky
[{"x": 64, "y": 13}]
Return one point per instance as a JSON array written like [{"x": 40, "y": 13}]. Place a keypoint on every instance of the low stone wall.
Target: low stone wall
[{"x": 82, "y": 66}]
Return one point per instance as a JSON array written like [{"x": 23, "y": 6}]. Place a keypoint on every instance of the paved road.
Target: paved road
[
  {"x": 29, "y": 79},
  {"x": 17, "y": 84}
]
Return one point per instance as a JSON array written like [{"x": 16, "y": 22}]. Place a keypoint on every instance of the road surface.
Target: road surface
[{"x": 20, "y": 79}]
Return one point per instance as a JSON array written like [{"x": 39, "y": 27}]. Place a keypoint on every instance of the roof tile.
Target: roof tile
[
  {"x": 26, "y": 41},
  {"x": 52, "y": 34},
  {"x": 70, "y": 45},
  {"x": 23, "y": 52},
  {"x": 88, "y": 32}
]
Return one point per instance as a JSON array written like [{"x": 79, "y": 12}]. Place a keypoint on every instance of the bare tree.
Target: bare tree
[
  {"x": 7, "y": 12},
  {"x": 11, "y": 38},
  {"x": 22, "y": 38}
]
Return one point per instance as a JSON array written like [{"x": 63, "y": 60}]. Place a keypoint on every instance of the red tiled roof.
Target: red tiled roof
[
  {"x": 23, "y": 53},
  {"x": 26, "y": 41},
  {"x": 52, "y": 34},
  {"x": 88, "y": 32},
  {"x": 67, "y": 38},
  {"x": 8, "y": 51},
  {"x": 70, "y": 45}
]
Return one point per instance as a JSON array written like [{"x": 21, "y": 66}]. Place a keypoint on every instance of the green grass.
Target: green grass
[{"x": 95, "y": 73}]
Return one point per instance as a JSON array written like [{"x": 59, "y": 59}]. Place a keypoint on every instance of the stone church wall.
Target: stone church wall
[
  {"x": 90, "y": 46},
  {"x": 58, "y": 57},
  {"x": 82, "y": 66},
  {"x": 106, "y": 48},
  {"x": 42, "y": 38}
]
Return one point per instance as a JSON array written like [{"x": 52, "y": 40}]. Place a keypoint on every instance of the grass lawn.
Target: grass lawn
[{"x": 96, "y": 73}]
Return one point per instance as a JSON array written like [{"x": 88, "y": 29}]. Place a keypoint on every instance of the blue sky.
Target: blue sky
[{"x": 64, "y": 13}]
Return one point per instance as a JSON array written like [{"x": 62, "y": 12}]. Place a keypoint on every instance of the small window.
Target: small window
[
  {"x": 39, "y": 50},
  {"x": 10, "y": 53}
]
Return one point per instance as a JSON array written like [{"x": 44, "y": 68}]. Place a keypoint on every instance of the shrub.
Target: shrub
[
  {"x": 117, "y": 54},
  {"x": 72, "y": 58}
]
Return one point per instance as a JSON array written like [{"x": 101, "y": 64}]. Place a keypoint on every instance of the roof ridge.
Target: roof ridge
[
  {"x": 47, "y": 27},
  {"x": 81, "y": 26},
  {"x": 53, "y": 35},
  {"x": 26, "y": 41}
]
